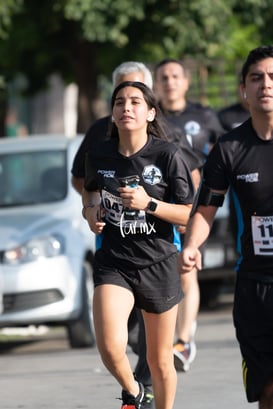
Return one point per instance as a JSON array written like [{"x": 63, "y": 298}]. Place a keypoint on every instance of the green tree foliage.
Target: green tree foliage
[
  {"x": 7, "y": 9},
  {"x": 84, "y": 39}
]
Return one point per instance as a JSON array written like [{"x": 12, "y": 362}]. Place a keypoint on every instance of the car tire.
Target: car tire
[{"x": 80, "y": 331}]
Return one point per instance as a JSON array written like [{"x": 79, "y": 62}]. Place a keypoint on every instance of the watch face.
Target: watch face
[{"x": 152, "y": 206}]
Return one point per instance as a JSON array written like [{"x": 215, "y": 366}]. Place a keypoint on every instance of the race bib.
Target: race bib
[
  {"x": 130, "y": 221},
  {"x": 113, "y": 207},
  {"x": 262, "y": 235},
  {"x": 116, "y": 214}
]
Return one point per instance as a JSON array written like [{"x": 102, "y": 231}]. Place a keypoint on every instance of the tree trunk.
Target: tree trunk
[
  {"x": 3, "y": 112},
  {"x": 90, "y": 106}
]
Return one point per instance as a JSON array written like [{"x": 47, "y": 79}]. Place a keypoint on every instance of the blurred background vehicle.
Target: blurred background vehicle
[{"x": 46, "y": 248}]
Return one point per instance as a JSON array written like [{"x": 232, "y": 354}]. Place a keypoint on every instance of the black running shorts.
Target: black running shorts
[
  {"x": 253, "y": 320},
  {"x": 156, "y": 288}
]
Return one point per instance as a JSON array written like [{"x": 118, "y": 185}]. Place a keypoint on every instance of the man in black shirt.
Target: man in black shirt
[
  {"x": 242, "y": 161},
  {"x": 200, "y": 126}
]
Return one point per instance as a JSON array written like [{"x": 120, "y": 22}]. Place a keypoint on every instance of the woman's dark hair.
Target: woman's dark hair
[
  {"x": 256, "y": 55},
  {"x": 156, "y": 127}
]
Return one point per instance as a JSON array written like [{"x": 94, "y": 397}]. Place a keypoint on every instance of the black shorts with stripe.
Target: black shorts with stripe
[{"x": 253, "y": 320}]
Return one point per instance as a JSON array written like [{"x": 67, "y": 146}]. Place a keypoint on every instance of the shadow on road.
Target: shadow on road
[{"x": 53, "y": 341}]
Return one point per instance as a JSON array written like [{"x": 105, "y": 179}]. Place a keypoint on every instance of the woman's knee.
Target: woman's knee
[
  {"x": 112, "y": 349},
  {"x": 160, "y": 364}
]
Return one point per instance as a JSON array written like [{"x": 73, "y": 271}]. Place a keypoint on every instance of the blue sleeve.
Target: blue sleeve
[{"x": 177, "y": 239}]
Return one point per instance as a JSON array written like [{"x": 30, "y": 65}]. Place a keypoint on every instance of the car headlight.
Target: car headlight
[{"x": 43, "y": 247}]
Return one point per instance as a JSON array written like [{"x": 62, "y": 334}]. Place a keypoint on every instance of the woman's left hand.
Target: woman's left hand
[{"x": 134, "y": 198}]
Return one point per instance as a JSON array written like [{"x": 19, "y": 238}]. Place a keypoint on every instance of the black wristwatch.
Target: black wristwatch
[{"x": 152, "y": 205}]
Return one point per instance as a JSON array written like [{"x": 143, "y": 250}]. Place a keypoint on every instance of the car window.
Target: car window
[{"x": 32, "y": 177}]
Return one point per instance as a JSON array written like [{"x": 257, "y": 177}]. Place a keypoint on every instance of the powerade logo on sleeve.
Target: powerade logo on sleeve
[{"x": 249, "y": 178}]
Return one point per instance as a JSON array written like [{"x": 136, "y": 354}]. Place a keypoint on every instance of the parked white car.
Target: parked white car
[{"x": 46, "y": 248}]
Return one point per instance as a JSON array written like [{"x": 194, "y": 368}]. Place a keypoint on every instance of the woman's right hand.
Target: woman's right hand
[{"x": 94, "y": 217}]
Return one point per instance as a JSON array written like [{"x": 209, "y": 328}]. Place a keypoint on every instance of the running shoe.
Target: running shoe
[
  {"x": 133, "y": 402},
  {"x": 148, "y": 401},
  {"x": 184, "y": 354}
]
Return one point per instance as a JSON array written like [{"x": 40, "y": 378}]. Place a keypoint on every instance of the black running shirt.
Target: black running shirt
[
  {"x": 142, "y": 239},
  {"x": 233, "y": 116},
  {"x": 245, "y": 162},
  {"x": 199, "y": 124},
  {"x": 99, "y": 131}
]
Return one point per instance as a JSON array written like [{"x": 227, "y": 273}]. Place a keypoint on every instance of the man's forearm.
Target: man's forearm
[{"x": 199, "y": 225}]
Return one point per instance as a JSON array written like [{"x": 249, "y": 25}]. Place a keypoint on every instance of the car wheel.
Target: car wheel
[{"x": 80, "y": 331}]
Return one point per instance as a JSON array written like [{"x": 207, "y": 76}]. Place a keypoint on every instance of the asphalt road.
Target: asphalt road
[{"x": 44, "y": 373}]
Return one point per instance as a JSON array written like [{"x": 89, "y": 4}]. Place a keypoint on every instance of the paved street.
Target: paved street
[{"x": 47, "y": 374}]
